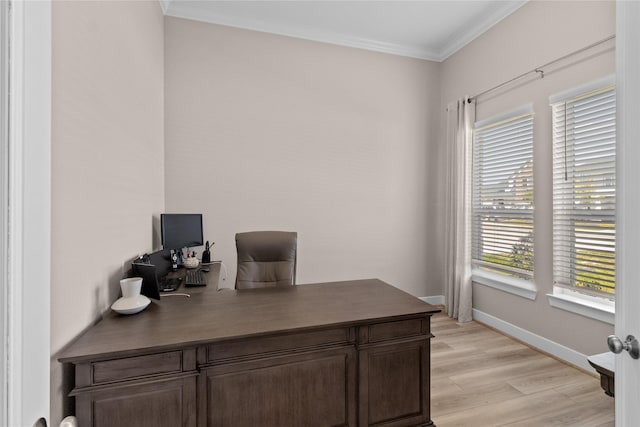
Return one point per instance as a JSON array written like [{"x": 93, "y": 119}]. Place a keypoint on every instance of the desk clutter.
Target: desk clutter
[
  {"x": 155, "y": 275},
  {"x": 155, "y": 269}
]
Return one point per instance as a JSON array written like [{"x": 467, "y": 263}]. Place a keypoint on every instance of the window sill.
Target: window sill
[
  {"x": 519, "y": 287},
  {"x": 586, "y": 306}
]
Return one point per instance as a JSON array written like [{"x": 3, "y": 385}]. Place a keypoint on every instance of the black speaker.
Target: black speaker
[{"x": 206, "y": 255}]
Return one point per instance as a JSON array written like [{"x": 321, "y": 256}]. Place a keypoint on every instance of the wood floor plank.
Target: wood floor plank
[
  {"x": 584, "y": 391},
  {"x": 444, "y": 385},
  {"x": 555, "y": 377},
  {"x": 481, "y": 377},
  {"x": 451, "y": 401},
  {"x": 501, "y": 372},
  {"x": 504, "y": 413},
  {"x": 473, "y": 362},
  {"x": 584, "y": 415}
]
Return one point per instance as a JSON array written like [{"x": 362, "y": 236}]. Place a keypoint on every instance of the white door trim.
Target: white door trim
[
  {"x": 4, "y": 202},
  {"x": 628, "y": 227},
  {"x": 29, "y": 222}
]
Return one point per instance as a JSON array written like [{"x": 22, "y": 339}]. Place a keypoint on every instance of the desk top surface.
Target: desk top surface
[
  {"x": 604, "y": 361},
  {"x": 210, "y": 316}
]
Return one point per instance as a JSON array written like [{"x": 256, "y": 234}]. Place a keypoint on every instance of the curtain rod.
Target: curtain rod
[{"x": 539, "y": 70}]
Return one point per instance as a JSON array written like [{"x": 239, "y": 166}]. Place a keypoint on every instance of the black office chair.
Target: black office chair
[{"x": 266, "y": 259}]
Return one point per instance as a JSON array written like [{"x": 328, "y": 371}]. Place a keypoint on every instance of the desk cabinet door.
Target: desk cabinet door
[
  {"x": 394, "y": 385},
  {"x": 168, "y": 403},
  {"x": 313, "y": 389}
]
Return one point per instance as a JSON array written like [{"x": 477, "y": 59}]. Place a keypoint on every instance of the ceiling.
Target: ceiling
[{"x": 426, "y": 29}]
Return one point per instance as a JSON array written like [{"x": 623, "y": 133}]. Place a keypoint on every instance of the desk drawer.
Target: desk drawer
[
  {"x": 386, "y": 331},
  {"x": 127, "y": 368},
  {"x": 262, "y": 346}
]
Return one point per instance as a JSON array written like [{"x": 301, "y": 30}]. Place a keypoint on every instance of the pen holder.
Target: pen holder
[{"x": 191, "y": 262}]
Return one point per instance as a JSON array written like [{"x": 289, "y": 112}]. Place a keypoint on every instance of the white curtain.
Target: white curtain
[{"x": 458, "y": 294}]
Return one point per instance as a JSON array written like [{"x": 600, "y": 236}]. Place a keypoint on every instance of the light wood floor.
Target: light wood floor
[{"x": 480, "y": 377}]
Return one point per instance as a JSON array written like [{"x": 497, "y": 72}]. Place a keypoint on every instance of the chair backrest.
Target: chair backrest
[{"x": 266, "y": 259}]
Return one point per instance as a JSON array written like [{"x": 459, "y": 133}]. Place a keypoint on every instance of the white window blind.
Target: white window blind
[
  {"x": 584, "y": 192},
  {"x": 502, "y": 206}
]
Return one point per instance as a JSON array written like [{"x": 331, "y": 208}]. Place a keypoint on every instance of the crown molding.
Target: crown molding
[
  {"x": 198, "y": 12},
  {"x": 164, "y": 5},
  {"x": 461, "y": 40},
  {"x": 188, "y": 11}
]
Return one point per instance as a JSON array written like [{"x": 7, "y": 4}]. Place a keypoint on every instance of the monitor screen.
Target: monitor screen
[{"x": 181, "y": 230}]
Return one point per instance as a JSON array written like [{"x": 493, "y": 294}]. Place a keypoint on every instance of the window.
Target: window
[
  {"x": 584, "y": 190},
  {"x": 502, "y": 201}
]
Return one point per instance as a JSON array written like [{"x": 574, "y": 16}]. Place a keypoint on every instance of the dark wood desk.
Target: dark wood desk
[
  {"x": 352, "y": 353},
  {"x": 605, "y": 365}
]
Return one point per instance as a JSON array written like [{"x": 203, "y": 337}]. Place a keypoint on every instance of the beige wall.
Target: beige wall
[
  {"x": 107, "y": 157},
  {"x": 271, "y": 132},
  {"x": 536, "y": 34}
]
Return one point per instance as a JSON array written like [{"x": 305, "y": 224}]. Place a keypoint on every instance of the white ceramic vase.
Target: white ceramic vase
[
  {"x": 131, "y": 302},
  {"x": 131, "y": 287}
]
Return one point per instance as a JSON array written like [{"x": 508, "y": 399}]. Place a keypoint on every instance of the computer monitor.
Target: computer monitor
[{"x": 181, "y": 230}]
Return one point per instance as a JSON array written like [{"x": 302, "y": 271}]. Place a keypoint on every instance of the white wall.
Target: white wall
[
  {"x": 270, "y": 132},
  {"x": 537, "y": 33},
  {"x": 107, "y": 158}
]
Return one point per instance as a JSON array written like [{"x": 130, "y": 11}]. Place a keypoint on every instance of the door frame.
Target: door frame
[
  {"x": 628, "y": 227},
  {"x": 4, "y": 202},
  {"x": 27, "y": 226}
]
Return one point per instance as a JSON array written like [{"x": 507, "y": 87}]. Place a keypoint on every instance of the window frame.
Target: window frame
[
  {"x": 569, "y": 296},
  {"x": 482, "y": 272}
]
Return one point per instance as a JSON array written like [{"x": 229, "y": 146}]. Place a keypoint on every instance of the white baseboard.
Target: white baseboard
[
  {"x": 553, "y": 348},
  {"x": 434, "y": 300}
]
